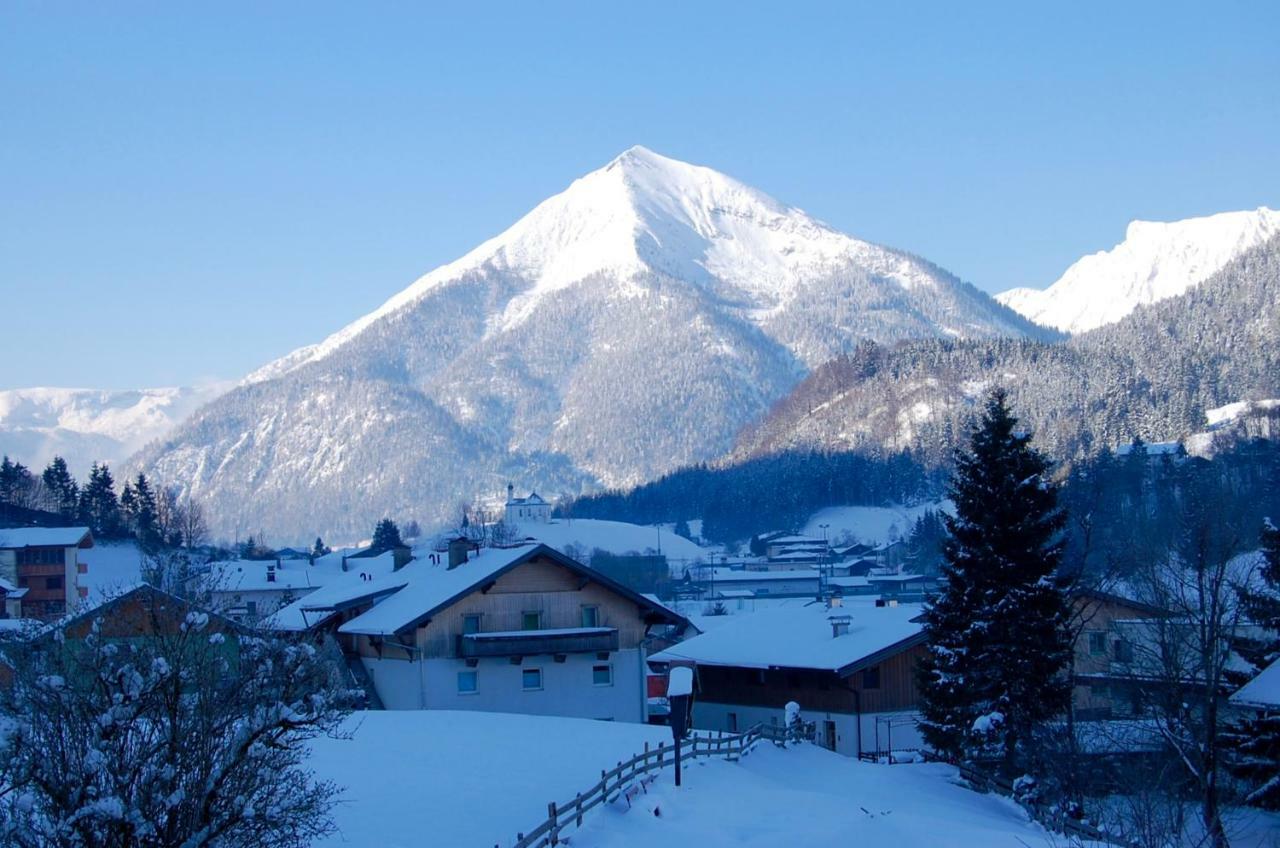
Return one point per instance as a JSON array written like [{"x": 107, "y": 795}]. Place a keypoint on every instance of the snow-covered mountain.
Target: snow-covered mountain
[
  {"x": 89, "y": 425},
  {"x": 1155, "y": 261},
  {"x": 626, "y": 326}
]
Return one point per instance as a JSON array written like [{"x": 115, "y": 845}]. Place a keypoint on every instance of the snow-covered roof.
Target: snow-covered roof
[
  {"x": 534, "y": 499},
  {"x": 252, "y": 575},
  {"x": 1261, "y": 691},
  {"x": 894, "y": 578},
  {"x": 368, "y": 578},
  {"x": 796, "y": 540},
  {"x": 801, "y": 637},
  {"x": 728, "y": 575},
  {"x": 45, "y": 537},
  {"x": 424, "y": 588},
  {"x": 11, "y": 591}
]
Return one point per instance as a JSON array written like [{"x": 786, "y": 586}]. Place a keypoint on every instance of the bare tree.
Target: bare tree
[
  {"x": 1185, "y": 655},
  {"x": 193, "y": 525}
]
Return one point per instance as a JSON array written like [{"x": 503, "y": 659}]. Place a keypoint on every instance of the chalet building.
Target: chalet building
[
  {"x": 850, "y": 667},
  {"x": 1106, "y": 686},
  {"x": 524, "y": 629},
  {"x": 45, "y": 561},
  {"x": 528, "y": 509}
]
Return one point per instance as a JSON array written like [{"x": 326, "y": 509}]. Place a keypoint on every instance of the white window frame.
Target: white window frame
[
  {"x": 479, "y": 617},
  {"x": 475, "y": 675},
  {"x": 595, "y": 614},
  {"x": 595, "y": 666},
  {"x": 542, "y": 680},
  {"x": 524, "y": 613}
]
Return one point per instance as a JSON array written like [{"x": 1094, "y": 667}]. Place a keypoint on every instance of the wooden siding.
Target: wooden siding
[{"x": 823, "y": 691}]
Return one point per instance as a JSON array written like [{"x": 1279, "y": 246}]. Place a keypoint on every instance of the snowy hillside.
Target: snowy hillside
[
  {"x": 627, "y": 326},
  {"x": 88, "y": 425},
  {"x": 872, "y": 525},
  {"x": 480, "y": 778},
  {"x": 1155, "y": 261},
  {"x": 616, "y": 537}
]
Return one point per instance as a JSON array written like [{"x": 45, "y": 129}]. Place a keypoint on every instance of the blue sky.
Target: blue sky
[{"x": 190, "y": 190}]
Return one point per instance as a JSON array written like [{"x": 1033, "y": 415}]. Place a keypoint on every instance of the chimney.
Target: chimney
[
  {"x": 271, "y": 571},
  {"x": 458, "y": 551},
  {"x": 511, "y": 493},
  {"x": 401, "y": 555},
  {"x": 839, "y": 625}
]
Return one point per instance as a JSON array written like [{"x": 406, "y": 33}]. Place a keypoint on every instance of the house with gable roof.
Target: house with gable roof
[{"x": 521, "y": 629}]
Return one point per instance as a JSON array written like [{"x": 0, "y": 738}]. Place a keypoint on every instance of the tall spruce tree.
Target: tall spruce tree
[
  {"x": 997, "y": 634},
  {"x": 16, "y": 483},
  {"x": 145, "y": 526},
  {"x": 1255, "y": 739},
  {"x": 61, "y": 489}
]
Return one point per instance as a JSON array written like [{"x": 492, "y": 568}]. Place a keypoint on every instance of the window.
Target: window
[
  {"x": 602, "y": 675},
  {"x": 40, "y": 556},
  {"x": 468, "y": 682},
  {"x": 1097, "y": 642},
  {"x": 471, "y": 623},
  {"x": 871, "y": 677},
  {"x": 531, "y": 621},
  {"x": 251, "y": 607},
  {"x": 53, "y": 582},
  {"x": 733, "y": 722},
  {"x": 590, "y": 616},
  {"x": 531, "y": 679},
  {"x": 1124, "y": 651}
]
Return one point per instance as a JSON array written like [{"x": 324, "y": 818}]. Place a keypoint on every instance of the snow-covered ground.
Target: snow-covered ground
[
  {"x": 807, "y": 796},
  {"x": 870, "y": 524},
  {"x": 463, "y": 778},
  {"x": 614, "y": 536},
  {"x": 476, "y": 779}
]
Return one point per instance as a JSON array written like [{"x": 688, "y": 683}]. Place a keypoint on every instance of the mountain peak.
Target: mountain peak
[{"x": 1157, "y": 260}]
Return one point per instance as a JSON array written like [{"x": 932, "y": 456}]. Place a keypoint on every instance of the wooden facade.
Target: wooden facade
[{"x": 558, "y": 595}]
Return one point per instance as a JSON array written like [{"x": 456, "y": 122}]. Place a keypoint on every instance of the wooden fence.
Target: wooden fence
[
  {"x": 623, "y": 778},
  {"x": 1051, "y": 817}
]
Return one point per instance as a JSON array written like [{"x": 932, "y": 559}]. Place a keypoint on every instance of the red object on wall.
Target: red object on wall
[{"x": 657, "y": 685}]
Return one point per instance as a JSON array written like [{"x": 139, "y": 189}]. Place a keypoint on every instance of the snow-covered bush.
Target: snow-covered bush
[{"x": 189, "y": 735}]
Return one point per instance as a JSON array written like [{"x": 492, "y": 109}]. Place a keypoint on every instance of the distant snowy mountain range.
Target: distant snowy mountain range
[
  {"x": 634, "y": 323},
  {"x": 627, "y": 326},
  {"x": 1156, "y": 261},
  {"x": 90, "y": 425}
]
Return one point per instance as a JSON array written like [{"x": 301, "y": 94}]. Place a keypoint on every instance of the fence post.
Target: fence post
[
  {"x": 577, "y": 804},
  {"x": 555, "y": 823}
]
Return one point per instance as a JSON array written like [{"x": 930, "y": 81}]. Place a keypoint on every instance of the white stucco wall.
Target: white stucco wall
[
  {"x": 710, "y": 716},
  {"x": 567, "y": 687}
]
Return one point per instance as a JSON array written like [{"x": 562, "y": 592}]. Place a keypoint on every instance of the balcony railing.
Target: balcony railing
[{"x": 525, "y": 643}]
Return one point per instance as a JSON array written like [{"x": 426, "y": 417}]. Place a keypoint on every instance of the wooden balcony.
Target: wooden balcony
[{"x": 527, "y": 643}]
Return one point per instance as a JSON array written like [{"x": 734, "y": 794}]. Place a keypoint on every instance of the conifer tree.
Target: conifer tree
[
  {"x": 1255, "y": 739},
  {"x": 144, "y": 514},
  {"x": 997, "y": 634},
  {"x": 99, "y": 508},
  {"x": 61, "y": 489},
  {"x": 320, "y": 549},
  {"x": 15, "y": 482},
  {"x": 386, "y": 536}
]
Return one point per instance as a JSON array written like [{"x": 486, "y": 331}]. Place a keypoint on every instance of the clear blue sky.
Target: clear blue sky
[{"x": 190, "y": 190}]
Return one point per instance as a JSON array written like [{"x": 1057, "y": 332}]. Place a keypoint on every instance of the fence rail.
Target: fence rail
[
  {"x": 622, "y": 778},
  {"x": 1050, "y": 817}
]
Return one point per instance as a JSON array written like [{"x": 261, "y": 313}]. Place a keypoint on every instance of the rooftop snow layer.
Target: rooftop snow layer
[
  {"x": 799, "y": 637},
  {"x": 1263, "y": 690},
  {"x": 426, "y": 586},
  {"x": 36, "y": 537}
]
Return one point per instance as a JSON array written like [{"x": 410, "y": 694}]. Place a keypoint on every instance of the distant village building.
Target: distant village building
[
  {"x": 523, "y": 629},
  {"x": 251, "y": 590},
  {"x": 45, "y": 562},
  {"x": 527, "y": 509}
]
